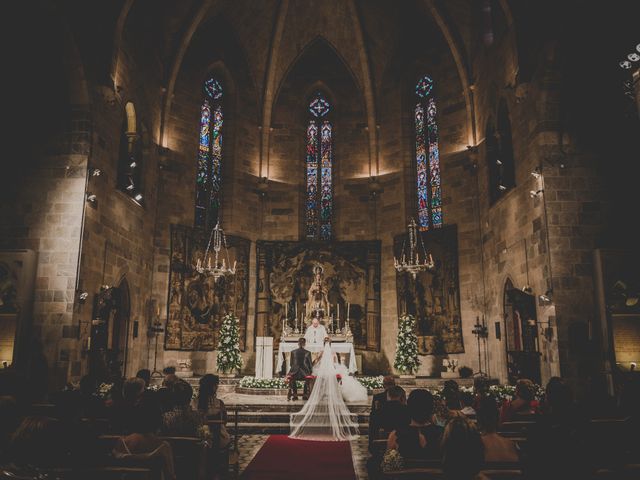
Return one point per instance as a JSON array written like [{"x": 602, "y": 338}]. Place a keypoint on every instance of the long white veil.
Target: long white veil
[{"x": 325, "y": 415}]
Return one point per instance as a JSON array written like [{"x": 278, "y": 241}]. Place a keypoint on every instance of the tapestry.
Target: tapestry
[
  {"x": 434, "y": 296},
  {"x": 350, "y": 277},
  {"x": 196, "y": 303}
]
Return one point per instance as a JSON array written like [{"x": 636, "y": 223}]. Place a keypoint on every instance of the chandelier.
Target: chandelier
[
  {"x": 215, "y": 269},
  {"x": 414, "y": 264}
]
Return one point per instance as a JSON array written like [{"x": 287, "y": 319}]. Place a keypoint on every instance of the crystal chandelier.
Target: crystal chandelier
[
  {"x": 215, "y": 269},
  {"x": 414, "y": 264}
]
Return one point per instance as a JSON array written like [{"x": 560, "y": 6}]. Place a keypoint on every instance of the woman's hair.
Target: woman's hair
[
  {"x": 487, "y": 415},
  {"x": 524, "y": 389},
  {"x": 208, "y": 386},
  {"x": 451, "y": 394},
  {"x": 132, "y": 389},
  {"x": 420, "y": 405},
  {"x": 182, "y": 393},
  {"x": 462, "y": 449},
  {"x": 558, "y": 395}
]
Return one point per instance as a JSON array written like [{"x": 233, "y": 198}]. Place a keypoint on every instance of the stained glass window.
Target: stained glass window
[
  {"x": 209, "y": 171},
  {"x": 427, "y": 157},
  {"x": 319, "y": 176}
]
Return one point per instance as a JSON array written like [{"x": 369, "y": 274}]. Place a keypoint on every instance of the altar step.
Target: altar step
[{"x": 270, "y": 421}]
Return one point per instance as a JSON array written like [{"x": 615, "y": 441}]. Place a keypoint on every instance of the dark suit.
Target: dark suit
[{"x": 300, "y": 361}]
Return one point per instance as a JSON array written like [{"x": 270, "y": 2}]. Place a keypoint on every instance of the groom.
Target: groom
[{"x": 300, "y": 360}]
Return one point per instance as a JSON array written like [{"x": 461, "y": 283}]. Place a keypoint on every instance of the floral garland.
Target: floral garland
[{"x": 371, "y": 383}]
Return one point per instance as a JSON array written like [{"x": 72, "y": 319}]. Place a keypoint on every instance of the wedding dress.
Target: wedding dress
[{"x": 325, "y": 416}]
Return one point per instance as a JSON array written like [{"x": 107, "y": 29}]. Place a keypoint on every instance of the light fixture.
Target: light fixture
[
  {"x": 414, "y": 265},
  {"x": 638, "y": 47},
  {"x": 502, "y": 188},
  {"x": 535, "y": 193},
  {"x": 527, "y": 289},
  {"x": 138, "y": 197},
  {"x": 133, "y": 164},
  {"x": 95, "y": 172},
  {"x": 82, "y": 297},
  {"x": 625, "y": 64},
  {"x": 546, "y": 296},
  {"x": 91, "y": 197},
  {"x": 216, "y": 269},
  {"x": 498, "y": 162},
  {"x": 634, "y": 57},
  {"x": 536, "y": 174}
]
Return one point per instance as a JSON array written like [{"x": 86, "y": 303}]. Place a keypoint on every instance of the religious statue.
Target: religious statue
[{"x": 317, "y": 305}]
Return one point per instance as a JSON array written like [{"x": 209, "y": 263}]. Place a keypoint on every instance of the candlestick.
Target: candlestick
[{"x": 348, "y": 305}]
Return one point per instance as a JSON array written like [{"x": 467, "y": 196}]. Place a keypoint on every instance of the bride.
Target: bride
[{"x": 325, "y": 416}]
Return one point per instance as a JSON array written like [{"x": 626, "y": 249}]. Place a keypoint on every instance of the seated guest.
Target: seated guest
[
  {"x": 212, "y": 407},
  {"x": 480, "y": 389},
  {"x": 170, "y": 376},
  {"x": 132, "y": 394},
  {"x": 420, "y": 438},
  {"x": 449, "y": 405},
  {"x": 467, "y": 402},
  {"x": 462, "y": 450},
  {"x": 380, "y": 398},
  {"x": 182, "y": 420},
  {"x": 145, "y": 374},
  {"x": 522, "y": 403},
  {"x": 393, "y": 413},
  {"x": 92, "y": 404},
  {"x": 558, "y": 443},
  {"x": 143, "y": 442},
  {"x": 496, "y": 447}
]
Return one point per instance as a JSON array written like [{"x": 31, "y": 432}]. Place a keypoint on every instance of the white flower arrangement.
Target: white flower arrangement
[
  {"x": 229, "y": 357},
  {"x": 407, "y": 360}
]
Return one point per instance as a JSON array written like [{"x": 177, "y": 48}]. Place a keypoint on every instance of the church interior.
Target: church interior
[{"x": 441, "y": 193}]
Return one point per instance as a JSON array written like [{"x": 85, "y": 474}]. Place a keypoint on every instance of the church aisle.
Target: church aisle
[{"x": 283, "y": 458}]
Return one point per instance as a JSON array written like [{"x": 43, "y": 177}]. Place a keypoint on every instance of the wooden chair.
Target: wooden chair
[{"x": 188, "y": 456}]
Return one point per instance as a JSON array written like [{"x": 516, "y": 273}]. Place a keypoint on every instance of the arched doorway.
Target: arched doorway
[
  {"x": 110, "y": 332},
  {"x": 521, "y": 334},
  {"x": 119, "y": 330}
]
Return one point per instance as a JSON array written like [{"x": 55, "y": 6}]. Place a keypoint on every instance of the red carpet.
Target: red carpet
[{"x": 283, "y": 458}]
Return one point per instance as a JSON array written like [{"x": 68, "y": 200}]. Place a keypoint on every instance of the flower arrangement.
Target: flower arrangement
[
  {"x": 229, "y": 358},
  {"x": 104, "y": 390},
  {"x": 372, "y": 383},
  {"x": 276, "y": 383},
  {"x": 407, "y": 360}
]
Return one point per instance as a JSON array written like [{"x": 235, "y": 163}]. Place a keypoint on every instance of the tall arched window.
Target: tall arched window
[
  {"x": 427, "y": 157},
  {"x": 500, "y": 161},
  {"x": 130, "y": 157},
  {"x": 319, "y": 165},
  {"x": 208, "y": 176}
]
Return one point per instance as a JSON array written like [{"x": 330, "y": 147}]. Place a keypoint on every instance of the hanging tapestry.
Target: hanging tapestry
[
  {"x": 433, "y": 297},
  {"x": 196, "y": 303}
]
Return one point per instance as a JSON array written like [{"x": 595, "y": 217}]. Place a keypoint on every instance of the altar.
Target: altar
[{"x": 340, "y": 348}]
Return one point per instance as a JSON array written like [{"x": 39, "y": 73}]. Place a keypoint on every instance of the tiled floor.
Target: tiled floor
[{"x": 249, "y": 445}]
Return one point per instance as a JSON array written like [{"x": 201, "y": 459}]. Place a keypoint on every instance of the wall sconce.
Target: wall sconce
[
  {"x": 527, "y": 289},
  {"x": 547, "y": 296},
  {"x": 82, "y": 297},
  {"x": 95, "y": 172},
  {"x": 502, "y": 188},
  {"x": 263, "y": 186},
  {"x": 535, "y": 193},
  {"x": 138, "y": 197},
  {"x": 91, "y": 198},
  {"x": 375, "y": 188}
]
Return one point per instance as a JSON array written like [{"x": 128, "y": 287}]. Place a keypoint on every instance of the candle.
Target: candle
[
  {"x": 286, "y": 310},
  {"x": 296, "y": 312},
  {"x": 338, "y": 311},
  {"x": 348, "y": 305}
]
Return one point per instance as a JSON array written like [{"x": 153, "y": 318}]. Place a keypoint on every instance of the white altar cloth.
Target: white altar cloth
[{"x": 337, "y": 347}]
